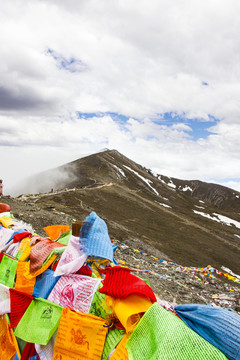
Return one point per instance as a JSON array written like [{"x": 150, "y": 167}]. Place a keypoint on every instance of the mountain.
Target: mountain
[{"x": 190, "y": 222}]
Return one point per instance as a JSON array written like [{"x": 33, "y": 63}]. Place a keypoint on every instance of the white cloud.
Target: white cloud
[{"x": 135, "y": 58}]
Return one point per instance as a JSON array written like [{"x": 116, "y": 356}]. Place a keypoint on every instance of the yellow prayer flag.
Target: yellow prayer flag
[
  {"x": 129, "y": 310},
  {"x": 121, "y": 352},
  {"x": 7, "y": 221},
  {"x": 24, "y": 249}
]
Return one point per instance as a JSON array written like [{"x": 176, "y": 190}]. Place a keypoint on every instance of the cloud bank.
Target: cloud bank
[{"x": 158, "y": 81}]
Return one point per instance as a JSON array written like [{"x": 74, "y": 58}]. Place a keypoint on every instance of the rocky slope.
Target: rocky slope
[
  {"x": 191, "y": 222},
  {"x": 171, "y": 282}
]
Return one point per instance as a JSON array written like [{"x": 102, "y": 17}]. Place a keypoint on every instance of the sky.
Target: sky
[{"x": 157, "y": 80}]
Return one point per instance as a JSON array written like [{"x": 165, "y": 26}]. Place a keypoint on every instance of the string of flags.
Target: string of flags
[
  {"x": 206, "y": 271},
  {"x": 65, "y": 297}
]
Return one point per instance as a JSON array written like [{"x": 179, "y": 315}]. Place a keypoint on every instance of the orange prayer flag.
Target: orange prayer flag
[
  {"x": 54, "y": 231},
  {"x": 7, "y": 343},
  {"x": 23, "y": 282},
  {"x": 80, "y": 336}
]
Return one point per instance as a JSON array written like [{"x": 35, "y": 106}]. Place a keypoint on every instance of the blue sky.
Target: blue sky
[
  {"x": 201, "y": 129},
  {"x": 68, "y": 64},
  {"x": 158, "y": 81},
  {"x": 198, "y": 128}
]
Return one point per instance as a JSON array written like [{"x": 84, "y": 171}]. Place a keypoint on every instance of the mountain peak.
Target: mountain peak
[{"x": 188, "y": 221}]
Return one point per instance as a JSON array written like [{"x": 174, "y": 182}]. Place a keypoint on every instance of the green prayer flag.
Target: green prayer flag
[
  {"x": 161, "y": 335},
  {"x": 8, "y": 269},
  {"x": 19, "y": 254},
  {"x": 56, "y": 251},
  {"x": 64, "y": 238},
  {"x": 21, "y": 344},
  {"x": 39, "y": 322},
  {"x": 98, "y": 304},
  {"x": 113, "y": 337},
  {"x": 8, "y": 319}
]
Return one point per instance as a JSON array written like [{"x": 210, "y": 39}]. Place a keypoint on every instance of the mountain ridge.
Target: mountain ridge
[{"x": 188, "y": 221}]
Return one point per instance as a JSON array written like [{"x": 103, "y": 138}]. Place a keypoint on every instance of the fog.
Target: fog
[{"x": 44, "y": 182}]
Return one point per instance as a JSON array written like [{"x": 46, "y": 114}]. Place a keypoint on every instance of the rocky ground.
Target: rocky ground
[
  {"x": 177, "y": 285},
  {"x": 173, "y": 283}
]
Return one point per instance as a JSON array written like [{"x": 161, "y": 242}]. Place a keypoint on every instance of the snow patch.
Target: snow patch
[
  {"x": 165, "y": 205},
  {"x": 171, "y": 184},
  {"x": 228, "y": 221},
  {"x": 199, "y": 207},
  {"x": 237, "y": 235},
  {"x": 143, "y": 179},
  {"x": 206, "y": 215},
  {"x": 219, "y": 218},
  {"x": 160, "y": 178},
  {"x": 201, "y": 201},
  {"x": 186, "y": 188},
  {"x": 155, "y": 174},
  {"x": 119, "y": 170}
]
